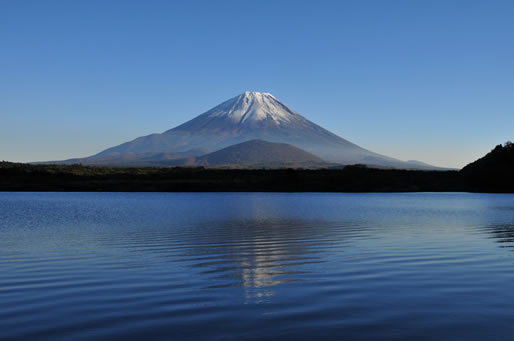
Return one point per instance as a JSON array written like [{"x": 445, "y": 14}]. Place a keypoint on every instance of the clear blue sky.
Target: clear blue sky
[{"x": 426, "y": 80}]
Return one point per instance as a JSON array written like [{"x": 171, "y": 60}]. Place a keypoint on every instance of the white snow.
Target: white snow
[{"x": 252, "y": 107}]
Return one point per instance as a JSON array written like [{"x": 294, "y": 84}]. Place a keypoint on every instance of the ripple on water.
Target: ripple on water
[{"x": 256, "y": 266}]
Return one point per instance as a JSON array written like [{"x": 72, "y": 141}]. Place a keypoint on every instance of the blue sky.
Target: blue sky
[{"x": 426, "y": 80}]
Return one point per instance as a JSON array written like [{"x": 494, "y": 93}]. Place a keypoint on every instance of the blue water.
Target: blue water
[{"x": 256, "y": 266}]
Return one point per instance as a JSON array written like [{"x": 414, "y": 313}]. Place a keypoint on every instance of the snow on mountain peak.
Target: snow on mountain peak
[
  {"x": 251, "y": 107},
  {"x": 256, "y": 94}
]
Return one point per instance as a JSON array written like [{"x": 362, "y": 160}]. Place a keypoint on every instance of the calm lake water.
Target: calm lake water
[{"x": 223, "y": 266}]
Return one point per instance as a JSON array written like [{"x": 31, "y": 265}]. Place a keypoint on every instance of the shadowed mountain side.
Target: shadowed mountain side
[
  {"x": 256, "y": 153},
  {"x": 493, "y": 172}
]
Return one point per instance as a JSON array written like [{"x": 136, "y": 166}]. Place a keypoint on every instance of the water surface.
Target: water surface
[{"x": 223, "y": 266}]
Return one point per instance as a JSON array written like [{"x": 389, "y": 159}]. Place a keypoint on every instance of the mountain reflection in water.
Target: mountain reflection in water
[{"x": 232, "y": 266}]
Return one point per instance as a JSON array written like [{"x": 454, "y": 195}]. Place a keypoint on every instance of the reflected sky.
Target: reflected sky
[{"x": 86, "y": 265}]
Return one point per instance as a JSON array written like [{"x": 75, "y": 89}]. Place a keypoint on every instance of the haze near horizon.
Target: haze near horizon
[{"x": 428, "y": 81}]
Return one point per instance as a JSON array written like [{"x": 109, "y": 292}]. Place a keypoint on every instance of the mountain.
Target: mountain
[
  {"x": 256, "y": 153},
  {"x": 494, "y": 172},
  {"x": 500, "y": 158},
  {"x": 250, "y": 116}
]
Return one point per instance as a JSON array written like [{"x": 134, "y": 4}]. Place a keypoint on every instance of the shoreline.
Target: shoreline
[{"x": 18, "y": 177}]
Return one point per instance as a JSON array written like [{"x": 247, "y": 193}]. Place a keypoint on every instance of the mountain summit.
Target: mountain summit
[
  {"x": 250, "y": 109},
  {"x": 250, "y": 116}
]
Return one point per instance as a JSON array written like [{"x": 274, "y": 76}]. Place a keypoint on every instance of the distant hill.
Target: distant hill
[
  {"x": 493, "y": 172},
  {"x": 256, "y": 153}
]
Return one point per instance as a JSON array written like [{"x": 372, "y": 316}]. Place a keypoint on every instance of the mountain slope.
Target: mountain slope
[
  {"x": 500, "y": 158},
  {"x": 257, "y": 153},
  {"x": 130, "y": 159},
  {"x": 249, "y": 116},
  {"x": 493, "y": 172}
]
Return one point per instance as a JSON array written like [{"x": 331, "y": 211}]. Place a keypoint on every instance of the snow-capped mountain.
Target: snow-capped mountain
[{"x": 249, "y": 116}]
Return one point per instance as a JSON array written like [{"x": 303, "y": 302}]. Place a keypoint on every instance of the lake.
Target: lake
[{"x": 234, "y": 266}]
